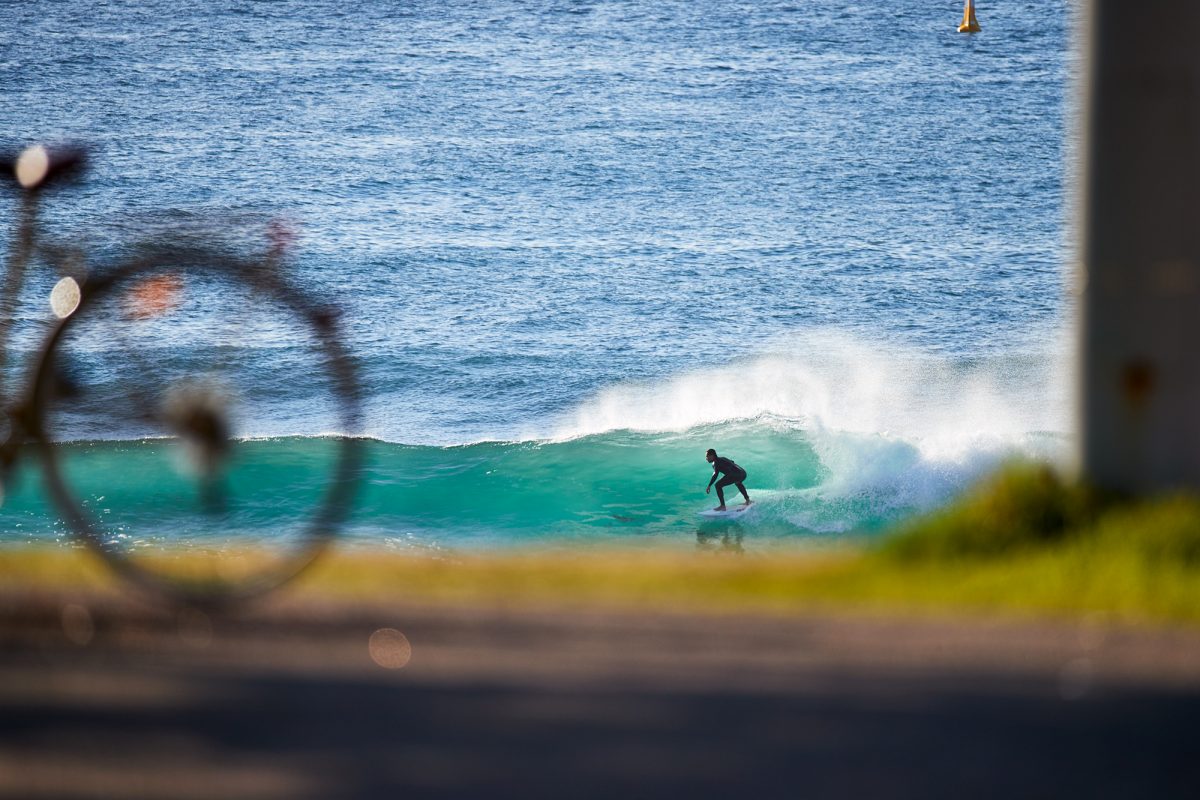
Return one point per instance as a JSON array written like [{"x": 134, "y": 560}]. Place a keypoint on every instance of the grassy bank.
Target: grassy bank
[{"x": 1025, "y": 543}]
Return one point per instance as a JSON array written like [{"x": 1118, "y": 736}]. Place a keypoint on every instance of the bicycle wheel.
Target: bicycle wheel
[{"x": 197, "y": 419}]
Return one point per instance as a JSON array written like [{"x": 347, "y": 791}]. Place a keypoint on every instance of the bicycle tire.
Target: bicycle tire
[{"x": 258, "y": 279}]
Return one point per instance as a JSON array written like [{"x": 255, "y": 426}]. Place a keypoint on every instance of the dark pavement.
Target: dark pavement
[{"x": 105, "y": 699}]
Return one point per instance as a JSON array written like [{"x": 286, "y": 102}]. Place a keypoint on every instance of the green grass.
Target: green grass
[
  {"x": 1022, "y": 509},
  {"x": 1028, "y": 540},
  {"x": 1025, "y": 543}
]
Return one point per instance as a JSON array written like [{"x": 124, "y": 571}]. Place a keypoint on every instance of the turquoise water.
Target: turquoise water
[
  {"x": 574, "y": 244},
  {"x": 594, "y": 489}
]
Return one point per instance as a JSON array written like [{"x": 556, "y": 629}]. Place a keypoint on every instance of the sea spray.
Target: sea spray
[{"x": 832, "y": 380}]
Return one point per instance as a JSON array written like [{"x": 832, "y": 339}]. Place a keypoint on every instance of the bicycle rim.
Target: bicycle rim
[{"x": 198, "y": 420}]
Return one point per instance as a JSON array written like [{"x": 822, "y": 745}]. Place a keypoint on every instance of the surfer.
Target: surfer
[{"x": 732, "y": 474}]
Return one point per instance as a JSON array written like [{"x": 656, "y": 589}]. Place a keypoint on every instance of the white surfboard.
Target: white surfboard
[{"x": 735, "y": 511}]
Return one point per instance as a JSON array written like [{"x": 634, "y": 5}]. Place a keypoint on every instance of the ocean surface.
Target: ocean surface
[{"x": 574, "y": 244}]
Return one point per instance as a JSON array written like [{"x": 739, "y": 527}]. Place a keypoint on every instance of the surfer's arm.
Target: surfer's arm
[{"x": 713, "y": 479}]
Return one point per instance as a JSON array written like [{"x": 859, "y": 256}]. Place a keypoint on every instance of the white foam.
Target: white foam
[
  {"x": 894, "y": 427},
  {"x": 830, "y": 380}
]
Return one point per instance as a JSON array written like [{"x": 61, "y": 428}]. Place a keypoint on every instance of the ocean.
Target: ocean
[{"x": 573, "y": 245}]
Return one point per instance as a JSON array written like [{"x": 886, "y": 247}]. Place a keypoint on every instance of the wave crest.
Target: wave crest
[{"x": 834, "y": 382}]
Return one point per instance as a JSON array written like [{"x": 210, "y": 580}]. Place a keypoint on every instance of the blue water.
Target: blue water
[{"x": 575, "y": 245}]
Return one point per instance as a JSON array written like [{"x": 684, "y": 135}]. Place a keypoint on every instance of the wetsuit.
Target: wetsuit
[{"x": 733, "y": 474}]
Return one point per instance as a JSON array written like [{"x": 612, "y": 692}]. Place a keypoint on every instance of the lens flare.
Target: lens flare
[
  {"x": 64, "y": 297},
  {"x": 77, "y": 624},
  {"x": 32, "y": 166},
  {"x": 389, "y": 648},
  {"x": 154, "y": 296}
]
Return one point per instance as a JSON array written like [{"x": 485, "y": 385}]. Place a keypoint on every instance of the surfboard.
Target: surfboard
[{"x": 735, "y": 511}]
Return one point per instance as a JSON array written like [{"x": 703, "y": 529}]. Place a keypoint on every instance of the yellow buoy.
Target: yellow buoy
[{"x": 969, "y": 23}]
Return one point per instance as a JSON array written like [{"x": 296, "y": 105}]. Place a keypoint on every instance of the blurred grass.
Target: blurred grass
[{"x": 1024, "y": 543}]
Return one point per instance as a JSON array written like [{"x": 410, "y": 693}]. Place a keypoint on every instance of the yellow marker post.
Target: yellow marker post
[{"x": 969, "y": 23}]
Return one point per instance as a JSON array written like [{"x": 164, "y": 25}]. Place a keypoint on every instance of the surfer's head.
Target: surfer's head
[{"x": 710, "y": 456}]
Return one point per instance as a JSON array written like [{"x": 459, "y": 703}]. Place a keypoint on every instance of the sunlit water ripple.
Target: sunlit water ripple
[{"x": 825, "y": 237}]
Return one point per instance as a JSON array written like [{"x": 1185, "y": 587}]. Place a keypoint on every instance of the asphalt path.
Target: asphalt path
[{"x": 100, "y": 697}]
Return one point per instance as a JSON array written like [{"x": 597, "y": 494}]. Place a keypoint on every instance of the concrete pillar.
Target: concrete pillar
[{"x": 1139, "y": 280}]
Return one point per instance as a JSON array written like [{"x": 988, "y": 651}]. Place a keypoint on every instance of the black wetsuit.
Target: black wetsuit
[{"x": 733, "y": 475}]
